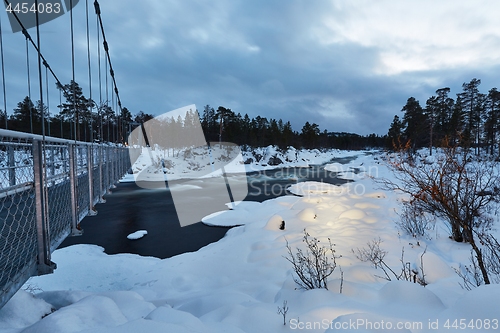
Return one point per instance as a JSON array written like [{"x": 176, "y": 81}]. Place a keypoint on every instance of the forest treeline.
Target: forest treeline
[
  {"x": 226, "y": 125},
  {"x": 472, "y": 119}
]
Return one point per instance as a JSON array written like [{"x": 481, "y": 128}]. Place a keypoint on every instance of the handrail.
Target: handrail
[{"x": 30, "y": 136}]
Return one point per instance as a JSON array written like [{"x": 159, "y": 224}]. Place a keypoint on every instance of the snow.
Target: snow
[
  {"x": 315, "y": 188},
  {"x": 238, "y": 283},
  {"x": 23, "y": 310},
  {"x": 138, "y": 234}
]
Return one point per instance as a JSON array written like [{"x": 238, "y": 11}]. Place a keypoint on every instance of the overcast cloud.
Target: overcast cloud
[{"x": 345, "y": 65}]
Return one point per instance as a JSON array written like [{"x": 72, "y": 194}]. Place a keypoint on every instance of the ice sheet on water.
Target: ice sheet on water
[{"x": 138, "y": 234}]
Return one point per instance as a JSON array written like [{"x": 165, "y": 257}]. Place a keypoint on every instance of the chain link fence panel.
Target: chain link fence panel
[{"x": 47, "y": 186}]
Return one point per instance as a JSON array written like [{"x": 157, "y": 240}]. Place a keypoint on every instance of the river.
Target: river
[{"x": 129, "y": 208}]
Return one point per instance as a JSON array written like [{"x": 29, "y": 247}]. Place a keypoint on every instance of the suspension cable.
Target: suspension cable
[
  {"x": 3, "y": 76},
  {"x": 40, "y": 70},
  {"x": 41, "y": 59},
  {"x": 99, "y": 110},
  {"x": 114, "y": 114},
  {"x": 73, "y": 83},
  {"x": 44, "y": 151},
  {"x": 90, "y": 73},
  {"x": 48, "y": 101},
  {"x": 29, "y": 84},
  {"x": 106, "y": 49},
  {"x": 107, "y": 98},
  {"x": 107, "y": 75},
  {"x": 44, "y": 61},
  {"x": 61, "y": 118}
]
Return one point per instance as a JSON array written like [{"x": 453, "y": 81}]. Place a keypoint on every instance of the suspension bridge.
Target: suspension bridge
[{"x": 52, "y": 174}]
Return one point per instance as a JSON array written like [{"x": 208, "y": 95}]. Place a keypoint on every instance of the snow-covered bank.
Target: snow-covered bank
[
  {"x": 155, "y": 164},
  {"x": 238, "y": 283}
]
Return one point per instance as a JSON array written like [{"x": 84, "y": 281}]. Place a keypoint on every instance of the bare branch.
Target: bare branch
[{"x": 312, "y": 267}]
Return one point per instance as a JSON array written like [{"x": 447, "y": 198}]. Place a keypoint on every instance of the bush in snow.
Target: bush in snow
[
  {"x": 374, "y": 254},
  {"x": 458, "y": 187},
  {"x": 471, "y": 273},
  {"x": 314, "y": 265},
  {"x": 414, "y": 222}
]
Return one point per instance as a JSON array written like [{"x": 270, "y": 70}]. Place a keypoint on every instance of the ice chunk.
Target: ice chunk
[{"x": 138, "y": 234}]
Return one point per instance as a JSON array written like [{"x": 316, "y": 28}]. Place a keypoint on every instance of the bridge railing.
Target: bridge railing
[{"x": 47, "y": 186}]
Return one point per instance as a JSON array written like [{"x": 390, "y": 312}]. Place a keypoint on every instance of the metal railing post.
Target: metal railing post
[
  {"x": 124, "y": 162},
  {"x": 90, "y": 168},
  {"x": 113, "y": 171},
  {"x": 52, "y": 161},
  {"x": 45, "y": 265},
  {"x": 120, "y": 162},
  {"x": 109, "y": 171},
  {"x": 11, "y": 165},
  {"x": 63, "y": 159},
  {"x": 101, "y": 177},
  {"x": 73, "y": 164}
]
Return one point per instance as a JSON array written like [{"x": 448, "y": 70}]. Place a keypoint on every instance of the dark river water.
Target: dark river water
[{"x": 130, "y": 208}]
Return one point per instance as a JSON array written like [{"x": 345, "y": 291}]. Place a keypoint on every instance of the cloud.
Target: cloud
[
  {"x": 423, "y": 35},
  {"x": 346, "y": 65}
]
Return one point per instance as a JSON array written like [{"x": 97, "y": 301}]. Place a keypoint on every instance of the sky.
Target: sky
[{"x": 348, "y": 66}]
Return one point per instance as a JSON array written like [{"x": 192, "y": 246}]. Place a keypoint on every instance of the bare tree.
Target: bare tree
[
  {"x": 283, "y": 310},
  {"x": 458, "y": 187}
]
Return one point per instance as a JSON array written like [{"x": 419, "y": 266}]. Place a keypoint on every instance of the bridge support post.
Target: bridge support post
[
  {"x": 73, "y": 165},
  {"x": 112, "y": 165},
  {"x": 52, "y": 157},
  {"x": 90, "y": 168},
  {"x": 11, "y": 163},
  {"x": 45, "y": 265},
  {"x": 102, "y": 187}
]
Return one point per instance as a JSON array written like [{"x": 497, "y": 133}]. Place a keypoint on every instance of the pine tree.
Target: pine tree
[
  {"x": 457, "y": 122},
  {"x": 26, "y": 117},
  {"x": 3, "y": 120},
  {"x": 444, "y": 111},
  {"x": 41, "y": 108},
  {"x": 288, "y": 134},
  {"x": 472, "y": 103},
  {"x": 77, "y": 107},
  {"x": 310, "y": 133},
  {"x": 430, "y": 112},
  {"x": 414, "y": 123},
  {"x": 492, "y": 119},
  {"x": 141, "y": 117},
  {"x": 125, "y": 120},
  {"x": 245, "y": 130},
  {"x": 209, "y": 123},
  {"x": 395, "y": 131}
]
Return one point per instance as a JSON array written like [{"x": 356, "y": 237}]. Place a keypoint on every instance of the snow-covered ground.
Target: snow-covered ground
[
  {"x": 202, "y": 162},
  {"x": 238, "y": 283}
]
